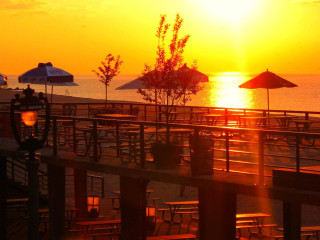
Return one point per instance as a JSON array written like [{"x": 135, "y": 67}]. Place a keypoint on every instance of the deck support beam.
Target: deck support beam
[
  {"x": 217, "y": 214},
  {"x": 56, "y": 192},
  {"x": 3, "y": 197},
  {"x": 292, "y": 220},
  {"x": 133, "y": 208},
  {"x": 80, "y": 191}
]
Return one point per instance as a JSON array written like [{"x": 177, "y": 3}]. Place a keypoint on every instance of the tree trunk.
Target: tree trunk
[{"x": 106, "y": 96}]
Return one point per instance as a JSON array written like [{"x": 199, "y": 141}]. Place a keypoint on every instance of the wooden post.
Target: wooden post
[
  {"x": 95, "y": 141},
  {"x": 54, "y": 136},
  {"x": 142, "y": 153},
  {"x": 56, "y": 192},
  {"x": 80, "y": 191},
  {"x": 133, "y": 208},
  {"x": 292, "y": 220},
  {"x": 217, "y": 214},
  {"x": 3, "y": 197},
  {"x": 261, "y": 159}
]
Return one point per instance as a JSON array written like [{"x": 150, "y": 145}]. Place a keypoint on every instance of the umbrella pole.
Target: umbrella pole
[{"x": 268, "y": 108}]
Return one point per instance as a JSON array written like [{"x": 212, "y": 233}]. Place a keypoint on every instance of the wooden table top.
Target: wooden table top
[
  {"x": 182, "y": 203},
  {"x": 99, "y": 222},
  {"x": 116, "y": 115},
  {"x": 15, "y": 200},
  {"x": 147, "y": 191},
  {"x": 252, "y": 215}
]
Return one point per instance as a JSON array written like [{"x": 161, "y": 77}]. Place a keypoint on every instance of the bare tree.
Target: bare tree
[
  {"x": 109, "y": 69},
  {"x": 168, "y": 82}
]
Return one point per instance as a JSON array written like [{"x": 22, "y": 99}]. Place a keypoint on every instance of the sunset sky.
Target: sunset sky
[{"x": 226, "y": 35}]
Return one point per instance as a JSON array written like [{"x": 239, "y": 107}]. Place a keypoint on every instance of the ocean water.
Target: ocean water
[{"x": 221, "y": 91}]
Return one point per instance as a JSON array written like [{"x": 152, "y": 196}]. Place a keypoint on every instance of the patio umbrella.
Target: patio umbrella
[
  {"x": 267, "y": 80},
  {"x": 183, "y": 71},
  {"x": 46, "y": 74},
  {"x": 138, "y": 83},
  {"x": 3, "y": 80}
]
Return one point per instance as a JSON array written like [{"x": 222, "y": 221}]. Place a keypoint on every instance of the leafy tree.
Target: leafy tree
[
  {"x": 109, "y": 69},
  {"x": 169, "y": 82}
]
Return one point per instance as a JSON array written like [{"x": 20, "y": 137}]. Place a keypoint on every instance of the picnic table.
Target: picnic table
[
  {"x": 308, "y": 231},
  {"x": 211, "y": 119},
  {"x": 252, "y": 221},
  {"x": 117, "y": 116},
  {"x": 111, "y": 227},
  {"x": 254, "y": 121},
  {"x": 175, "y": 207}
]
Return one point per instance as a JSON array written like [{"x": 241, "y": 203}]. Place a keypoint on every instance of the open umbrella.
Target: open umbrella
[
  {"x": 267, "y": 80},
  {"x": 3, "y": 80},
  {"x": 46, "y": 74},
  {"x": 138, "y": 83},
  {"x": 183, "y": 71}
]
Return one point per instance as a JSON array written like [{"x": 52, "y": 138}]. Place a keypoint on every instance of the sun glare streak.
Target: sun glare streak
[{"x": 224, "y": 91}]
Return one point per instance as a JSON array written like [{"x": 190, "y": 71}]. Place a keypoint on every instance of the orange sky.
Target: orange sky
[{"x": 226, "y": 35}]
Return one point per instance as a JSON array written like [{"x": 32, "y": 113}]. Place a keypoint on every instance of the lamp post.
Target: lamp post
[{"x": 28, "y": 106}]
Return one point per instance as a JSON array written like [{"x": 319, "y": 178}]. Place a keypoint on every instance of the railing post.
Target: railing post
[
  {"x": 261, "y": 159},
  {"x": 12, "y": 170},
  {"x": 74, "y": 135},
  {"x": 227, "y": 152},
  {"x": 298, "y": 153},
  {"x": 145, "y": 112},
  {"x": 95, "y": 141},
  {"x": 142, "y": 153},
  {"x": 307, "y": 116},
  {"x": 226, "y": 116},
  {"x": 102, "y": 187},
  {"x": 54, "y": 137},
  {"x": 92, "y": 183},
  {"x": 117, "y": 139}
]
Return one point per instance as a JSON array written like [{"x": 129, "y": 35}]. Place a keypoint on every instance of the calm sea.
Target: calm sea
[{"x": 221, "y": 91}]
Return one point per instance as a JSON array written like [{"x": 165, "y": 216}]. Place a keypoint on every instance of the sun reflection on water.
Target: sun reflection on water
[{"x": 223, "y": 91}]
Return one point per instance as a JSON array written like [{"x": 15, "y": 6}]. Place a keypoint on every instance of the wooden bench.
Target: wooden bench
[
  {"x": 181, "y": 211},
  {"x": 173, "y": 237},
  {"x": 307, "y": 231},
  {"x": 239, "y": 227}
]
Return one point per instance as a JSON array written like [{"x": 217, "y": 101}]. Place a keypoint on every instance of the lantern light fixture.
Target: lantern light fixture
[{"x": 93, "y": 203}]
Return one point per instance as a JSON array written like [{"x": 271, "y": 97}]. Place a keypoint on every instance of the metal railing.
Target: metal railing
[
  {"x": 252, "y": 151},
  {"x": 17, "y": 172},
  {"x": 243, "y": 150}
]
